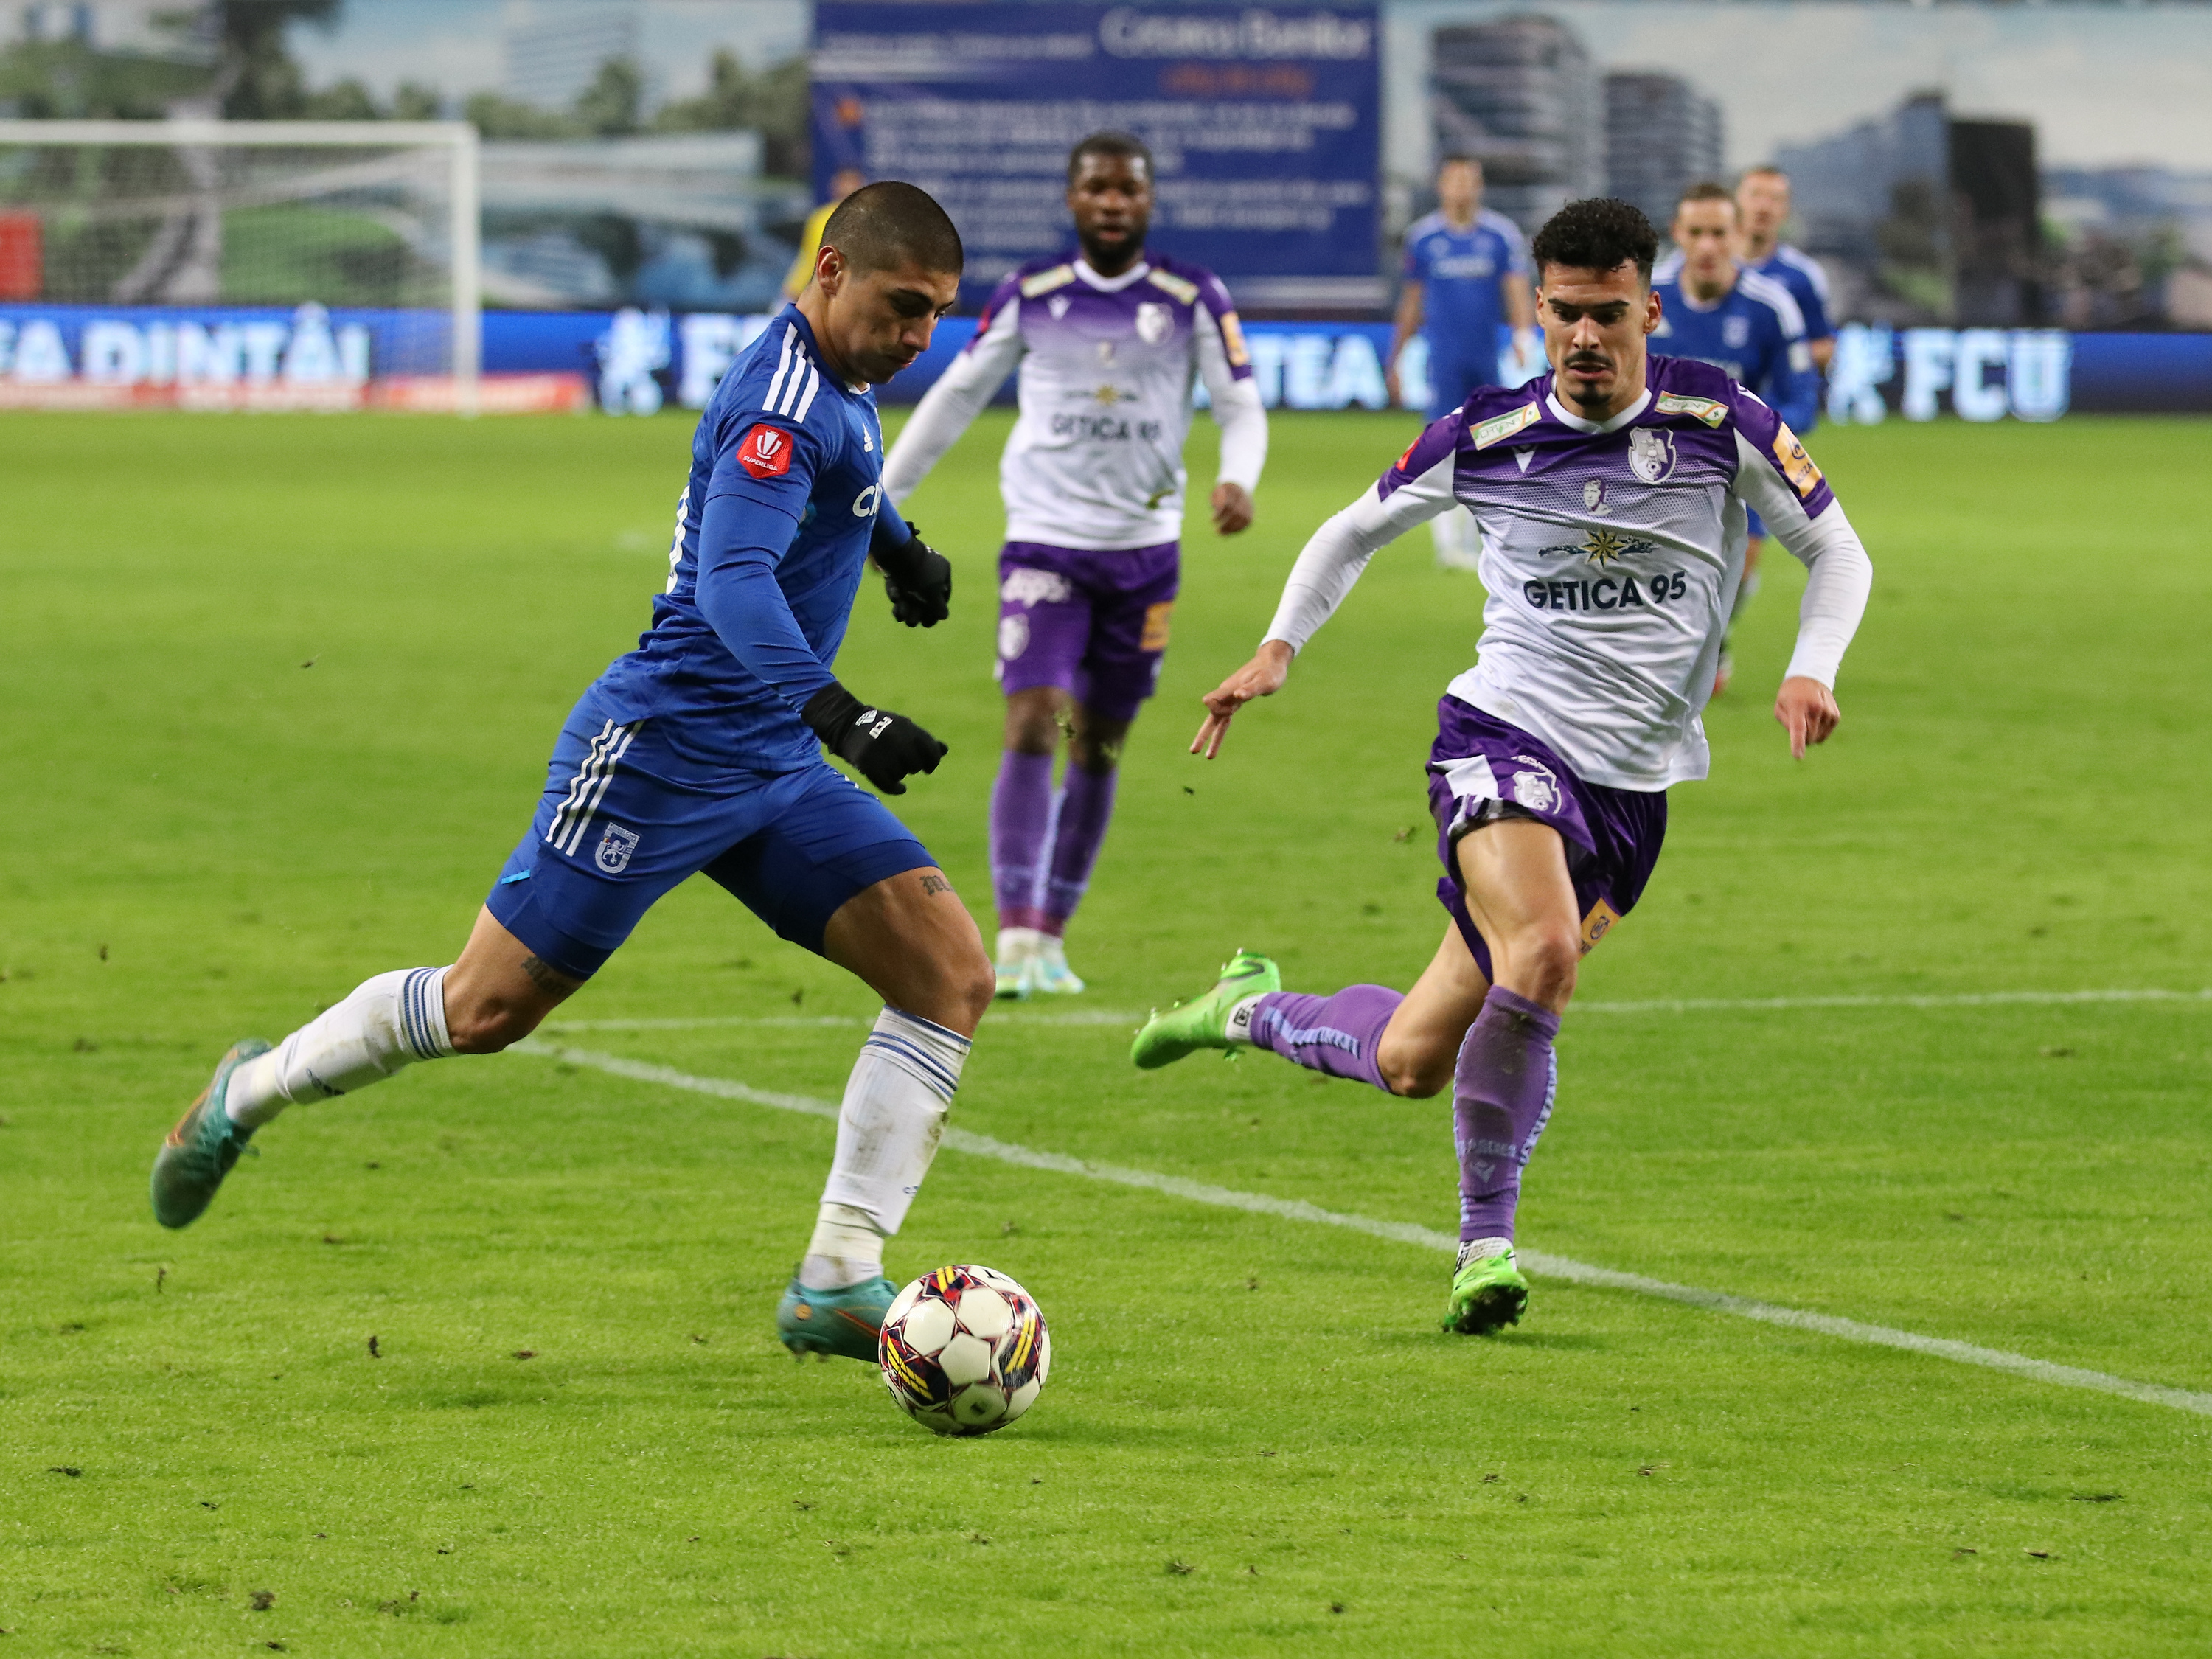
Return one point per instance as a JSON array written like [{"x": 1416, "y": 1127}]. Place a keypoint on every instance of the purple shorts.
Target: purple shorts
[
  {"x": 1481, "y": 769},
  {"x": 1093, "y": 624}
]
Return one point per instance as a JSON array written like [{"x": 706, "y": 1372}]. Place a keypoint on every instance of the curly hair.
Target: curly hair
[{"x": 1598, "y": 232}]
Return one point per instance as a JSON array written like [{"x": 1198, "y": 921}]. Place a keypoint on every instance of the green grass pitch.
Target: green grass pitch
[{"x": 280, "y": 695}]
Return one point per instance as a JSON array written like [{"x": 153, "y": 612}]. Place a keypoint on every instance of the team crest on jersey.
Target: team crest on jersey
[
  {"x": 1155, "y": 322},
  {"x": 1651, "y": 453},
  {"x": 615, "y": 848},
  {"x": 1536, "y": 788},
  {"x": 1594, "y": 497},
  {"x": 1735, "y": 332},
  {"x": 765, "y": 452}
]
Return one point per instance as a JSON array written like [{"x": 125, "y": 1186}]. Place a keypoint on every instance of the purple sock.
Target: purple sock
[
  {"x": 1337, "y": 1035},
  {"x": 1501, "y": 1097},
  {"x": 1085, "y": 806},
  {"x": 1021, "y": 818}
]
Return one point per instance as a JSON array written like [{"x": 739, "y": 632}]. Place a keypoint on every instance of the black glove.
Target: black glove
[
  {"x": 918, "y": 578},
  {"x": 885, "y": 748}
]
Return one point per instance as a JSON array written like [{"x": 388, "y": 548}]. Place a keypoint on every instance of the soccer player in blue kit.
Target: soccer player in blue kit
[
  {"x": 1717, "y": 310},
  {"x": 1466, "y": 273},
  {"x": 701, "y": 751},
  {"x": 1762, "y": 205}
]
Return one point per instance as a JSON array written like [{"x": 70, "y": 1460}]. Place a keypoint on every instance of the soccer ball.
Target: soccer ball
[{"x": 964, "y": 1350}]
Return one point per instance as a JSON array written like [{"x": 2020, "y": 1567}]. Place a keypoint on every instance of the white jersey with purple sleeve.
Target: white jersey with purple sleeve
[
  {"x": 1107, "y": 367},
  {"x": 1611, "y": 554}
]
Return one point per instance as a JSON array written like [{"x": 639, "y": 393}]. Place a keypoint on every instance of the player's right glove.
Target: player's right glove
[
  {"x": 884, "y": 748},
  {"x": 918, "y": 578}
]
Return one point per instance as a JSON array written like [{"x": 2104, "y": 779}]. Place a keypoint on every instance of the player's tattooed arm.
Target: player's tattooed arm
[{"x": 931, "y": 885}]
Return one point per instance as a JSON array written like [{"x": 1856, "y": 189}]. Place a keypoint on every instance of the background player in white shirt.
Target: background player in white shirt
[
  {"x": 1612, "y": 495},
  {"x": 1109, "y": 340}
]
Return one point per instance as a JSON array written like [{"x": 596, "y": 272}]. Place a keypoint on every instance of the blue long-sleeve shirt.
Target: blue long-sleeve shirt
[
  {"x": 772, "y": 534},
  {"x": 1755, "y": 331}
]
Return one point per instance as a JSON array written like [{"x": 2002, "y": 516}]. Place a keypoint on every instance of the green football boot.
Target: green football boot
[
  {"x": 202, "y": 1148},
  {"x": 1204, "y": 1024},
  {"x": 1486, "y": 1295},
  {"x": 844, "y": 1321}
]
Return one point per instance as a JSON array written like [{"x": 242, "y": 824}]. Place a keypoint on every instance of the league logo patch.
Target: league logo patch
[
  {"x": 765, "y": 452},
  {"x": 1154, "y": 636},
  {"x": 1796, "y": 465},
  {"x": 1013, "y": 636},
  {"x": 1594, "y": 496},
  {"x": 1232, "y": 340},
  {"x": 1155, "y": 322},
  {"x": 1537, "y": 789},
  {"x": 1651, "y": 453},
  {"x": 615, "y": 848},
  {"x": 1597, "y": 924}
]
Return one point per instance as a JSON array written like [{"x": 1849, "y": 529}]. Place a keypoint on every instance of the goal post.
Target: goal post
[{"x": 257, "y": 264}]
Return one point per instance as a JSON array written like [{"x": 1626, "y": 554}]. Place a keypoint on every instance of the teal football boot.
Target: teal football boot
[
  {"x": 201, "y": 1150},
  {"x": 1204, "y": 1024},
  {"x": 1486, "y": 1295},
  {"x": 845, "y": 1321},
  {"x": 1049, "y": 974}
]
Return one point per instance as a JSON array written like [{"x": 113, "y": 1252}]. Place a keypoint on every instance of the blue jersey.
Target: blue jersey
[
  {"x": 772, "y": 533},
  {"x": 1462, "y": 275},
  {"x": 1800, "y": 273},
  {"x": 1754, "y": 332}
]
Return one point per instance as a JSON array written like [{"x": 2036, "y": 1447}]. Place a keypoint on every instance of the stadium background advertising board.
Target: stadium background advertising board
[{"x": 1265, "y": 124}]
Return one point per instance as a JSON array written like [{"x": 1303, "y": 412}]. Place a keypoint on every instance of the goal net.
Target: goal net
[{"x": 253, "y": 265}]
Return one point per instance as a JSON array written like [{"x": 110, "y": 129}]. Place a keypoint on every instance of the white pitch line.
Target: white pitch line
[
  {"x": 1659, "y": 1006},
  {"x": 1542, "y": 1263}
]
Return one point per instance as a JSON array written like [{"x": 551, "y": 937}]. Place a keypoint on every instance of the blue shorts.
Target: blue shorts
[
  {"x": 1752, "y": 524},
  {"x": 1452, "y": 379},
  {"x": 629, "y": 811}
]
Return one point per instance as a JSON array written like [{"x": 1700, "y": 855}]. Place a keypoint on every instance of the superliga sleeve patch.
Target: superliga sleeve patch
[{"x": 765, "y": 452}]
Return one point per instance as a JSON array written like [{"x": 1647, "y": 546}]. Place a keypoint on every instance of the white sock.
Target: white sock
[
  {"x": 1239, "y": 1027},
  {"x": 391, "y": 1021},
  {"x": 845, "y": 1250},
  {"x": 887, "y": 1128},
  {"x": 1018, "y": 945}
]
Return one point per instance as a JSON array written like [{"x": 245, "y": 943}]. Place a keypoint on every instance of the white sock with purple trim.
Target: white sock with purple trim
[
  {"x": 888, "y": 1127},
  {"x": 389, "y": 1022}
]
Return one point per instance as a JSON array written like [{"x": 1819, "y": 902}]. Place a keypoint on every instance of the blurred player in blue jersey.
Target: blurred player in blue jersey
[
  {"x": 1466, "y": 276},
  {"x": 701, "y": 751},
  {"x": 1717, "y": 309},
  {"x": 1762, "y": 203}
]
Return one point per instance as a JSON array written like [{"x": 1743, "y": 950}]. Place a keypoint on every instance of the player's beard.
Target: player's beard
[
  {"x": 1104, "y": 248},
  {"x": 1577, "y": 392}
]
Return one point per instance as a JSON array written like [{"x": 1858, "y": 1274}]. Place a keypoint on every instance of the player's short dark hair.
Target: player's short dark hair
[
  {"x": 883, "y": 226},
  {"x": 1704, "y": 190},
  {"x": 1127, "y": 145},
  {"x": 1598, "y": 233}
]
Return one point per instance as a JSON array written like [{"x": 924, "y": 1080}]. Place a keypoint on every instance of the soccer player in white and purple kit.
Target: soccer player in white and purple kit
[
  {"x": 1109, "y": 341},
  {"x": 1612, "y": 495}
]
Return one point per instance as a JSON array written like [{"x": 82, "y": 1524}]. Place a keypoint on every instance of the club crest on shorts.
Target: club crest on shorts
[
  {"x": 1013, "y": 636},
  {"x": 614, "y": 849},
  {"x": 1155, "y": 322},
  {"x": 1651, "y": 453},
  {"x": 1536, "y": 788}
]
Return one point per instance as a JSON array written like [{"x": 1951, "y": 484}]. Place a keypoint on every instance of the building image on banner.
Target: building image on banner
[{"x": 1264, "y": 123}]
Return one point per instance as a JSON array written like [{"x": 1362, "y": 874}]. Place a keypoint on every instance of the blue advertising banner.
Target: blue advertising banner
[{"x": 1265, "y": 124}]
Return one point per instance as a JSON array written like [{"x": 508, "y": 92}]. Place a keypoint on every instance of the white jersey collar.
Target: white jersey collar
[
  {"x": 1135, "y": 273},
  {"x": 1595, "y": 428}
]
